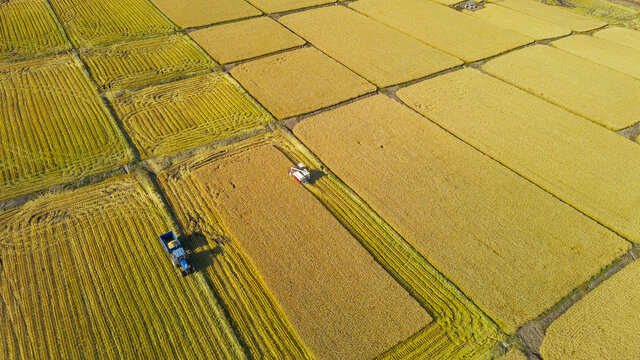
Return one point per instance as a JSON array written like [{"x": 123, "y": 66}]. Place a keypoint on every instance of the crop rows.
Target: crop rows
[
  {"x": 144, "y": 62},
  {"x": 54, "y": 126},
  {"x": 97, "y": 22},
  {"x": 84, "y": 276},
  {"x": 28, "y": 28},
  {"x": 185, "y": 114},
  {"x": 459, "y": 329}
]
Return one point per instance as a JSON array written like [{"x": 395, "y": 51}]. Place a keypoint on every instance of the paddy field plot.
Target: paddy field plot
[
  {"x": 461, "y": 35},
  {"x": 193, "y": 13},
  {"x": 145, "y": 62},
  {"x": 378, "y": 53},
  {"x": 627, "y": 37},
  {"x": 84, "y": 276},
  {"x": 216, "y": 209},
  {"x": 97, "y": 22},
  {"x": 511, "y": 247},
  {"x": 552, "y": 14},
  {"x": 299, "y": 81},
  {"x": 172, "y": 117},
  {"x": 622, "y": 13},
  {"x": 28, "y": 28},
  {"x": 602, "y": 325},
  {"x": 54, "y": 126},
  {"x": 274, "y": 6},
  {"x": 589, "y": 167}
]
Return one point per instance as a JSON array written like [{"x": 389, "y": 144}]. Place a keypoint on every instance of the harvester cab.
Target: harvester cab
[{"x": 300, "y": 173}]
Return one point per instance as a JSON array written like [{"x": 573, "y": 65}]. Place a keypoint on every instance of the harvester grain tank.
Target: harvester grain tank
[
  {"x": 300, "y": 173},
  {"x": 176, "y": 251}
]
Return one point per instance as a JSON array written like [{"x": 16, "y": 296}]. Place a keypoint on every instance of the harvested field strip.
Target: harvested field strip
[
  {"x": 145, "y": 62},
  {"x": 168, "y": 118},
  {"x": 54, "y": 126},
  {"x": 97, "y": 22},
  {"x": 28, "y": 28},
  {"x": 89, "y": 279},
  {"x": 255, "y": 315},
  {"x": 605, "y": 10},
  {"x": 459, "y": 329},
  {"x": 552, "y": 14}
]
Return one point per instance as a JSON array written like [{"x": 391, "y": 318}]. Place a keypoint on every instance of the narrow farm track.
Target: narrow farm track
[
  {"x": 459, "y": 330},
  {"x": 27, "y": 29},
  {"x": 91, "y": 271},
  {"x": 55, "y": 129}
]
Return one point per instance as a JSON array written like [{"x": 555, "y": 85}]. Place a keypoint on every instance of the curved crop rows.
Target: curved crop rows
[
  {"x": 97, "y": 22},
  {"x": 145, "y": 62},
  {"x": 168, "y": 118},
  {"x": 84, "y": 276},
  {"x": 54, "y": 127},
  {"x": 459, "y": 330},
  {"x": 28, "y": 28}
]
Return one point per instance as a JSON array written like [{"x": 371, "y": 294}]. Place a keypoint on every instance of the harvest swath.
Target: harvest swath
[
  {"x": 54, "y": 126},
  {"x": 96, "y": 22},
  {"x": 168, "y": 118},
  {"x": 459, "y": 328},
  {"x": 145, "y": 62},
  {"x": 28, "y": 28},
  {"x": 84, "y": 276}
]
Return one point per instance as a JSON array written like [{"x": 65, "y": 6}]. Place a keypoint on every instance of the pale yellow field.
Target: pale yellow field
[
  {"x": 299, "y": 81},
  {"x": 513, "y": 248},
  {"x": 273, "y": 6},
  {"x": 585, "y": 165},
  {"x": 193, "y": 13},
  {"x": 54, "y": 126},
  {"x": 145, "y": 62},
  {"x": 84, "y": 276},
  {"x": 626, "y": 37},
  {"x": 28, "y": 28},
  {"x": 185, "y": 114},
  {"x": 552, "y": 14},
  {"x": 374, "y": 51},
  {"x": 98, "y": 22}
]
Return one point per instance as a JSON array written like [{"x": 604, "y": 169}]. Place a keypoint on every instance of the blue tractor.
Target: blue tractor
[{"x": 176, "y": 251}]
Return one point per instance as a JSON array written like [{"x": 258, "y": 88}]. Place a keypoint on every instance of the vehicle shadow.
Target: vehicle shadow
[{"x": 201, "y": 251}]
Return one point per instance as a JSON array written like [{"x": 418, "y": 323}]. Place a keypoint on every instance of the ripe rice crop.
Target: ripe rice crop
[
  {"x": 54, "y": 126},
  {"x": 84, "y": 275},
  {"x": 28, "y": 28},
  {"x": 97, "y": 22}
]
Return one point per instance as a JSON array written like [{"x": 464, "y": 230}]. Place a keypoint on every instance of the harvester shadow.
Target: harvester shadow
[{"x": 315, "y": 175}]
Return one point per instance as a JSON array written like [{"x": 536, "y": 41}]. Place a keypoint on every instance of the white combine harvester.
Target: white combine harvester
[{"x": 300, "y": 173}]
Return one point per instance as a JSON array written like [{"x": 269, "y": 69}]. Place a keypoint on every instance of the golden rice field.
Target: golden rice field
[
  {"x": 84, "y": 276},
  {"x": 458, "y": 330},
  {"x": 54, "y": 126},
  {"x": 97, "y": 22},
  {"x": 28, "y": 28},
  {"x": 145, "y": 62},
  {"x": 168, "y": 118}
]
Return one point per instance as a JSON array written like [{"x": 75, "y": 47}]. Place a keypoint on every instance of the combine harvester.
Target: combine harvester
[
  {"x": 300, "y": 173},
  {"x": 176, "y": 251}
]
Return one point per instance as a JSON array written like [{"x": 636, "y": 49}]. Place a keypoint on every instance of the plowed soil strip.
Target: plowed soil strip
[
  {"x": 589, "y": 167},
  {"x": 28, "y": 28},
  {"x": 144, "y": 62},
  {"x": 513, "y": 248},
  {"x": 378, "y": 53},
  {"x": 54, "y": 127},
  {"x": 168, "y": 118},
  {"x": 193, "y": 13},
  {"x": 84, "y": 276}
]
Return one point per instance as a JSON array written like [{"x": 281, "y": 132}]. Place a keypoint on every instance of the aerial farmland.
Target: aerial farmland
[{"x": 320, "y": 179}]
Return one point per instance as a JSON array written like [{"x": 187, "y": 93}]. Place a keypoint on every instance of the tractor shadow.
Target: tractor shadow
[{"x": 201, "y": 251}]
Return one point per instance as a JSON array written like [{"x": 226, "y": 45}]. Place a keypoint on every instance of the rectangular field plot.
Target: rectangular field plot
[
  {"x": 287, "y": 268},
  {"x": 193, "y": 13},
  {"x": 512, "y": 248},
  {"x": 168, "y": 118},
  {"x": 54, "y": 126},
  {"x": 85, "y": 276},
  {"x": 145, "y": 62},
  {"x": 28, "y": 28},
  {"x": 96, "y": 22}
]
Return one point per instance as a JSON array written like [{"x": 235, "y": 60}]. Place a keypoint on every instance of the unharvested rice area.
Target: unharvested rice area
[
  {"x": 552, "y": 14},
  {"x": 84, "y": 276},
  {"x": 602, "y": 325},
  {"x": 513, "y": 248},
  {"x": 459, "y": 329},
  {"x": 612, "y": 12},
  {"x": 192, "y": 13},
  {"x": 97, "y": 22},
  {"x": 341, "y": 302},
  {"x": 627, "y": 37},
  {"x": 28, "y": 28},
  {"x": 273, "y": 6},
  {"x": 145, "y": 62},
  {"x": 168, "y": 118},
  {"x": 54, "y": 126}
]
